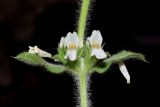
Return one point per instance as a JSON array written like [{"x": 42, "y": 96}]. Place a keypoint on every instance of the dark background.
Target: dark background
[{"x": 124, "y": 25}]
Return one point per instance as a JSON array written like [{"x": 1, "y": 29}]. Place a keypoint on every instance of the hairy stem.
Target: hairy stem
[
  {"x": 82, "y": 74},
  {"x": 83, "y": 20},
  {"x": 83, "y": 84},
  {"x": 83, "y": 90}
]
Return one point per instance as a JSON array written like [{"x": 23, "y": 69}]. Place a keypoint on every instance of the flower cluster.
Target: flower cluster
[
  {"x": 71, "y": 42},
  {"x": 70, "y": 54}
]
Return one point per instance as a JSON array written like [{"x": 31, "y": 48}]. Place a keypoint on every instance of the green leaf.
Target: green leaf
[
  {"x": 102, "y": 67},
  {"x": 36, "y": 60},
  {"x": 31, "y": 59},
  {"x": 54, "y": 68},
  {"x": 125, "y": 55}
]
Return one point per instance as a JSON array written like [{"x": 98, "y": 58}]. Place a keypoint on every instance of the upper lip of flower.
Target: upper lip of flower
[
  {"x": 72, "y": 40},
  {"x": 95, "y": 39}
]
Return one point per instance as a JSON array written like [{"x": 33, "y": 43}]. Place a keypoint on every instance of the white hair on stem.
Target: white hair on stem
[{"x": 77, "y": 90}]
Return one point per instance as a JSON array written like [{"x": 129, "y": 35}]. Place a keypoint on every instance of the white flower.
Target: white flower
[
  {"x": 124, "y": 71},
  {"x": 72, "y": 43},
  {"x": 62, "y": 42},
  {"x": 36, "y": 50},
  {"x": 96, "y": 41}
]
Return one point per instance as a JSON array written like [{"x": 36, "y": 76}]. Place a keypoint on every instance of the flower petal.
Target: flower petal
[
  {"x": 67, "y": 40},
  {"x": 71, "y": 54},
  {"x": 62, "y": 42},
  {"x": 36, "y": 50},
  {"x": 44, "y": 54},
  {"x": 99, "y": 53},
  {"x": 75, "y": 38},
  {"x": 96, "y": 37},
  {"x": 94, "y": 51},
  {"x": 72, "y": 38},
  {"x": 31, "y": 50},
  {"x": 124, "y": 71}
]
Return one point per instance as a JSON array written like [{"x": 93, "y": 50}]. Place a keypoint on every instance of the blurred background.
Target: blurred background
[{"x": 124, "y": 25}]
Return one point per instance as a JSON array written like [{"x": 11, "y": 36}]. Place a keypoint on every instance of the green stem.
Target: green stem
[
  {"x": 83, "y": 20},
  {"x": 82, "y": 74},
  {"x": 83, "y": 90},
  {"x": 83, "y": 84}
]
